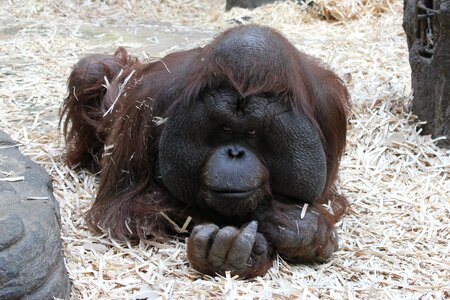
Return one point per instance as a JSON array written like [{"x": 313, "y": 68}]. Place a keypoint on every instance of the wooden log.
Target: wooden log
[{"x": 427, "y": 26}]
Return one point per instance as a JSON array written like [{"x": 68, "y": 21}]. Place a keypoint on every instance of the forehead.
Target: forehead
[
  {"x": 247, "y": 48},
  {"x": 251, "y": 59},
  {"x": 226, "y": 104}
]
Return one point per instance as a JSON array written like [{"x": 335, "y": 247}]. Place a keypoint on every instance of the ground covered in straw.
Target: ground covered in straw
[{"x": 394, "y": 241}]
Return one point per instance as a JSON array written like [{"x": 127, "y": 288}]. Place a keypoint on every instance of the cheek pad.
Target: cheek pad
[
  {"x": 296, "y": 159},
  {"x": 182, "y": 152}
]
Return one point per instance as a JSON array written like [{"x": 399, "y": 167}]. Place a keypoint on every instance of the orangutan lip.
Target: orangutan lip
[{"x": 232, "y": 195}]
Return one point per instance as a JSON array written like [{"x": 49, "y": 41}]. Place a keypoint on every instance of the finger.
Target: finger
[
  {"x": 242, "y": 247},
  {"x": 330, "y": 246},
  {"x": 201, "y": 237},
  {"x": 221, "y": 245},
  {"x": 261, "y": 246}
]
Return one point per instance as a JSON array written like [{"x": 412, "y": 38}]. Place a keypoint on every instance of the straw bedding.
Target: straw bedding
[{"x": 394, "y": 241}]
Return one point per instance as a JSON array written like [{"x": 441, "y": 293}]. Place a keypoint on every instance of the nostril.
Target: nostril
[{"x": 235, "y": 152}]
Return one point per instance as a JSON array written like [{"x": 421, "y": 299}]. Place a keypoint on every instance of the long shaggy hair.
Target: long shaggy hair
[{"x": 116, "y": 107}]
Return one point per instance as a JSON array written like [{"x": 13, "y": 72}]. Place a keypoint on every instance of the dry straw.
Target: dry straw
[{"x": 395, "y": 240}]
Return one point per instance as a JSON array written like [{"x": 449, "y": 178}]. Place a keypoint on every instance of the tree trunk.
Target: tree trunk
[{"x": 427, "y": 27}]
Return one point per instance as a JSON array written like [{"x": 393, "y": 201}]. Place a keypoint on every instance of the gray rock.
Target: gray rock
[
  {"x": 250, "y": 4},
  {"x": 31, "y": 263},
  {"x": 247, "y": 3}
]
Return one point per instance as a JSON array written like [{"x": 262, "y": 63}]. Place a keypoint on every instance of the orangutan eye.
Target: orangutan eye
[{"x": 226, "y": 129}]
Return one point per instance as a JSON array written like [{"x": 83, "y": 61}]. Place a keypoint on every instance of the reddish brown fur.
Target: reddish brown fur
[{"x": 130, "y": 199}]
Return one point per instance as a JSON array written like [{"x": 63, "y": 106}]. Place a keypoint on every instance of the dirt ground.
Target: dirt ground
[{"x": 394, "y": 241}]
